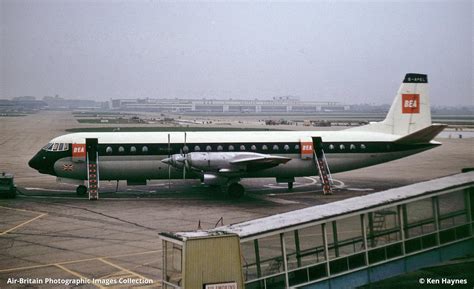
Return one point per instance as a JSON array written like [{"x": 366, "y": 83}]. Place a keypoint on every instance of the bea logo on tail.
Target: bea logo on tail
[{"x": 410, "y": 103}]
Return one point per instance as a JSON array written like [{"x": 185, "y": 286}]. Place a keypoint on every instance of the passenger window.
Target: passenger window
[
  {"x": 342, "y": 147},
  {"x": 352, "y": 147},
  {"x": 264, "y": 147},
  {"x": 331, "y": 147},
  {"x": 208, "y": 148},
  {"x": 286, "y": 147},
  {"x": 362, "y": 146},
  {"x": 121, "y": 149},
  {"x": 219, "y": 148},
  {"x": 197, "y": 148},
  {"x": 253, "y": 147},
  {"x": 242, "y": 147},
  {"x": 185, "y": 149},
  {"x": 275, "y": 147},
  {"x": 231, "y": 147},
  {"x": 108, "y": 150},
  {"x": 144, "y": 149},
  {"x": 133, "y": 149},
  {"x": 297, "y": 147}
]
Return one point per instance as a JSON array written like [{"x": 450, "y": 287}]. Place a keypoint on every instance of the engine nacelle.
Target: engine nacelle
[
  {"x": 224, "y": 162},
  {"x": 210, "y": 179},
  {"x": 210, "y": 162}
]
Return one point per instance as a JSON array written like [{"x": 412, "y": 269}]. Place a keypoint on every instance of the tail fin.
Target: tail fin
[{"x": 410, "y": 111}]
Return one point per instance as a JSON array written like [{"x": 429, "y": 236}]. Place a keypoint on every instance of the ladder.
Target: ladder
[
  {"x": 322, "y": 165},
  {"x": 377, "y": 224},
  {"x": 93, "y": 178},
  {"x": 92, "y": 168}
]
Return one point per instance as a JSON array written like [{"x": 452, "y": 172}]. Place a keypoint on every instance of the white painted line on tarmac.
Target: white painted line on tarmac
[
  {"x": 359, "y": 189},
  {"x": 49, "y": 190},
  {"x": 272, "y": 199}
]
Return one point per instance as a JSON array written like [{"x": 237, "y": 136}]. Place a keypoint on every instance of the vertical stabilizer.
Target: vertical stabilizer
[{"x": 410, "y": 110}]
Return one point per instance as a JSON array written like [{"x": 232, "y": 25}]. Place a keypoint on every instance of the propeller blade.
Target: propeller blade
[
  {"x": 169, "y": 157},
  {"x": 185, "y": 158}
]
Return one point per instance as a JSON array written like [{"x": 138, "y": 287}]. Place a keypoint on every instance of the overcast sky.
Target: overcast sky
[{"x": 352, "y": 51}]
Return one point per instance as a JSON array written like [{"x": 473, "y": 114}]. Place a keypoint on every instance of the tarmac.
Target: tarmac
[{"x": 49, "y": 232}]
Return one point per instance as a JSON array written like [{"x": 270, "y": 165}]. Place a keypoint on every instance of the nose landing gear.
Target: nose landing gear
[{"x": 81, "y": 190}]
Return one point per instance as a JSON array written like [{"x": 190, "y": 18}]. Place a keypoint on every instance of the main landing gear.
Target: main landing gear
[
  {"x": 81, "y": 190},
  {"x": 290, "y": 186},
  {"x": 235, "y": 190}
]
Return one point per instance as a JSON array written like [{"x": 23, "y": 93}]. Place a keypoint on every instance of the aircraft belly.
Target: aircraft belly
[
  {"x": 348, "y": 161},
  {"x": 118, "y": 168}
]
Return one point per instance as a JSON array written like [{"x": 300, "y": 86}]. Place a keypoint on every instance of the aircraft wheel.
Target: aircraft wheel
[
  {"x": 81, "y": 190},
  {"x": 290, "y": 186},
  {"x": 236, "y": 190}
]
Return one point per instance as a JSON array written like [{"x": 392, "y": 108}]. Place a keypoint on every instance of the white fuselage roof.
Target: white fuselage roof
[{"x": 224, "y": 137}]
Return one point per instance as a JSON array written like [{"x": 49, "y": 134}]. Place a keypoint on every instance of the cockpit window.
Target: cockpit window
[{"x": 56, "y": 147}]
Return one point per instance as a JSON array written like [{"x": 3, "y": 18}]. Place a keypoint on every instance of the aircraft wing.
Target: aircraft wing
[
  {"x": 259, "y": 162},
  {"x": 261, "y": 159}
]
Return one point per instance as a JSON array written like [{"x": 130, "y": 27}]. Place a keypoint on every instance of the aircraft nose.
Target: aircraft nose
[{"x": 34, "y": 163}]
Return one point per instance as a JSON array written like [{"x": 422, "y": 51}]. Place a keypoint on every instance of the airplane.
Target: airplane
[{"x": 225, "y": 158}]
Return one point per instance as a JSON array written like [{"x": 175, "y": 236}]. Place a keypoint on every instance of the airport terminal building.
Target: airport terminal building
[{"x": 285, "y": 104}]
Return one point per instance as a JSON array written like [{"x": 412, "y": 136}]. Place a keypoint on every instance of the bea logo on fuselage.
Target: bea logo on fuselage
[
  {"x": 79, "y": 150},
  {"x": 307, "y": 147},
  {"x": 410, "y": 103}
]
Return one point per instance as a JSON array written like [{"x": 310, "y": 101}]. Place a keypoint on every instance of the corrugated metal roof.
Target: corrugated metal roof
[{"x": 320, "y": 213}]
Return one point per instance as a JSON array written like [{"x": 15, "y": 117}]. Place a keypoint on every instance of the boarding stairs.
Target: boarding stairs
[
  {"x": 322, "y": 165},
  {"x": 92, "y": 169}
]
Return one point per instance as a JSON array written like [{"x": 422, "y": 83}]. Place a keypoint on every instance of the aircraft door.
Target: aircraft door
[{"x": 306, "y": 148}]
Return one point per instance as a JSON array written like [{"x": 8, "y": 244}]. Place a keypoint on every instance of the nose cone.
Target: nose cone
[
  {"x": 176, "y": 161},
  {"x": 42, "y": 163},
  {"x": 35, "y": 163}
]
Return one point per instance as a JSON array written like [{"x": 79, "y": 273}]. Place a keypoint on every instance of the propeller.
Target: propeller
[
  {"x": 185, "y": 159},
  {"x": 177, "y": 160},
  {"x": 169, "y": 165}
]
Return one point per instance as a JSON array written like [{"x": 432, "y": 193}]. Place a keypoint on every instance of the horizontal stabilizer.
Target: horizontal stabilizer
[{"x": 424, "y": 135}]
